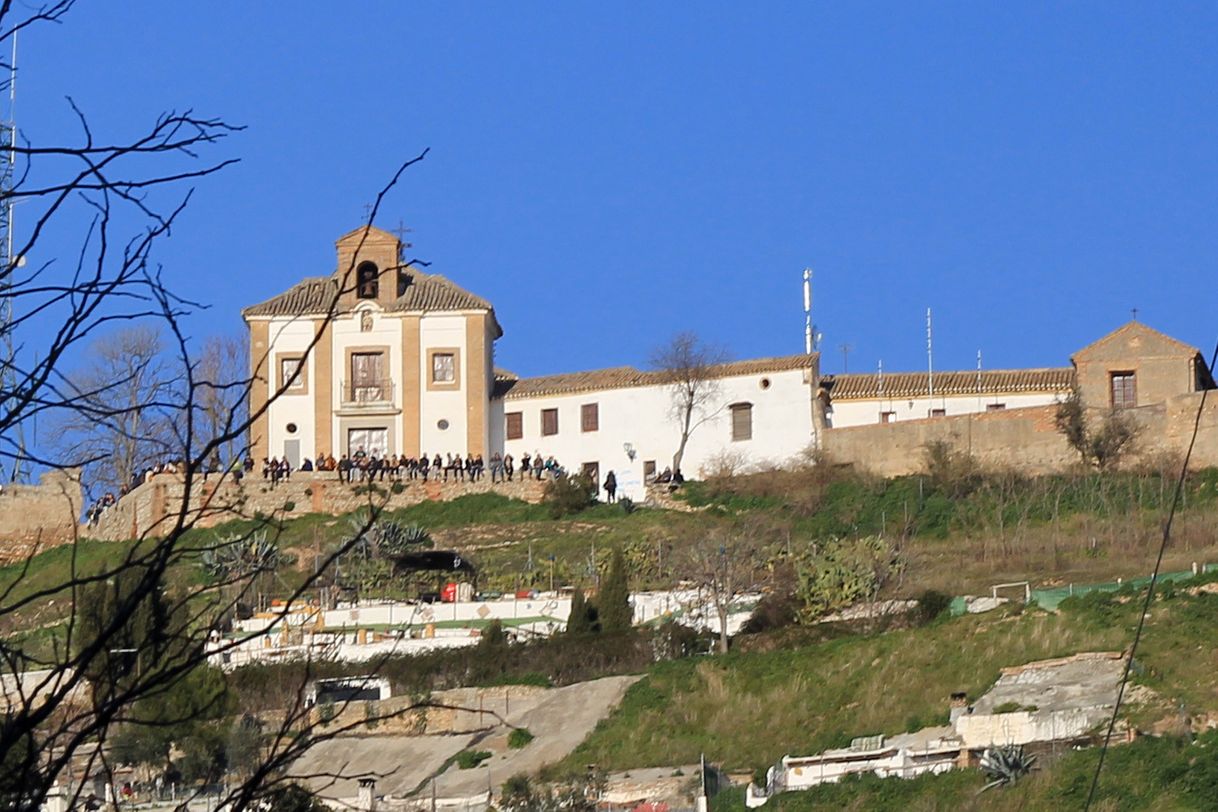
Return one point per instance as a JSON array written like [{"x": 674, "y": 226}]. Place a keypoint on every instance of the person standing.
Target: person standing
[{"x": 611, "y": 487}]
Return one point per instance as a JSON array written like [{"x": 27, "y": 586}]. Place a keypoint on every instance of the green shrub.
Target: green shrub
[
  {"x": 628, "y": 505},
  {"x": 570, "y": 494},
  {"x": 397, "y": 487},
  {"x": 469, "y": 759},
  {"x": 289, "y": 506},
  {"x": 519, "y": 737}
]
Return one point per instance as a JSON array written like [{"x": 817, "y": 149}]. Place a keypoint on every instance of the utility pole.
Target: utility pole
[{"x": 845, "y": 348}]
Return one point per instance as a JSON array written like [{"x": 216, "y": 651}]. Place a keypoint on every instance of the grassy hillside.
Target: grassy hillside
[{"x": 744, "y": 711}]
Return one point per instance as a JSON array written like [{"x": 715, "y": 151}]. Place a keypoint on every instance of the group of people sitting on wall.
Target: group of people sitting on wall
[{"x": 364, "y": 466}]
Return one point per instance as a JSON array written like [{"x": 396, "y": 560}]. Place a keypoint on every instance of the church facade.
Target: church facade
[{"x": 385, "y": 358}]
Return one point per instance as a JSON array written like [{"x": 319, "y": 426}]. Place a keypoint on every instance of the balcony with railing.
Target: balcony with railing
[{"x": 368, "y": 393}]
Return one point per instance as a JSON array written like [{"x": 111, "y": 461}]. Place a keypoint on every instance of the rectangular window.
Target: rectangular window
[
  {"x": 515, "y": 425},
  {"x": 589, "y": 417},
  {"x": 443, "y": 368},
  {"x": 292, "y": 374},
  {"x": 1124, "y": 390},
  {"x": 888, "y": 417},
  {"x": 368, "y": 383},
  {"x": 995, "y": 407},
  {"x": 938, "y": 412},
  {"x": 549, "y": 422},
  {"x": 742, "y": 421},
  {"x": 649, "y": 471}
]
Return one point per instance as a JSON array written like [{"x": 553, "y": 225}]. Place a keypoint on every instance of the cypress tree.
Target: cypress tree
[
  {"x": 613, "y": 602},
  {"x": 580, "y": 619}
]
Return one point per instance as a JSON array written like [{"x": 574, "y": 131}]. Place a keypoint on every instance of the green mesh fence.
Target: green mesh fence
[{"x": 1049, "y": 598}]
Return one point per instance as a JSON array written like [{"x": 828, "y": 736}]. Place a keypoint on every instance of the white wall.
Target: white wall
[
  {"x": 286, "y": 336},
  {"x": 436, "y": 405},
  {"x": 386, "y": 332},
  {"x": 641, "y": 416},
  {"x": 846, "y": 413}
]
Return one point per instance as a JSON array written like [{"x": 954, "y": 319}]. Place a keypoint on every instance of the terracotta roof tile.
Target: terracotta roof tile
[
  {"x": 426, "y": 293},
  {"x": 899, "y": 385},
  {"x": 626, "y": 377}
]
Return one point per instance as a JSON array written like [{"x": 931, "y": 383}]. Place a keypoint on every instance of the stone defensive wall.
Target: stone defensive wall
[
  {"x": 1024, "y": 438},
  {"x": 37, "y": 517},
  {"x": 153, "y": 508}
]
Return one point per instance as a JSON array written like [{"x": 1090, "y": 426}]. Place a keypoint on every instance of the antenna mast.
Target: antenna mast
[
  {"x": 8, "y": 265},
  {"x": 930, "y": 366},
  {"x": 809, "y": 338}
]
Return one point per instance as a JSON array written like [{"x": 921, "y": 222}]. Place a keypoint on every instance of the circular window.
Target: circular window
[
  {"x": 291, "y": 428},
  {"x": 765, "y": 383},
  {"x": 442, "y": 425}
]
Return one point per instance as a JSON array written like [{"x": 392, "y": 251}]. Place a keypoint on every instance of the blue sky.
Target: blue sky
[{"x": 608, "y": 174}]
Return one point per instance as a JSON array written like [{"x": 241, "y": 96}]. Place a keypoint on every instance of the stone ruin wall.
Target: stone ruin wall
[
  {"x": 153, "y": 508},
  {"x": 38, "y": 517},
  {"x": 1025, "y": 438}
]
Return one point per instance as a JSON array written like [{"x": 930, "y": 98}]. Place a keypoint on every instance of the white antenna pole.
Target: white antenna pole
[
  {"x": 930, "y": 364},
  {"x": 808, "y": 340},
  {"x": 978, "y": 380}
]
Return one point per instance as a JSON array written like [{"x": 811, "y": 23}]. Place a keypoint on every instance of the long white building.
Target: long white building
[{"x": 387, "y": 358}]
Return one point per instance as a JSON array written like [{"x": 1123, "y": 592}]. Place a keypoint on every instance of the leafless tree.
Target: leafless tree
[
  {"x": 724, "y": 564},
  {"x": 686, "y": 365},
  {"x": 91, "y": 648},
  {"x": 124, "y": 396},
  {"x": 222, "y": 368}
]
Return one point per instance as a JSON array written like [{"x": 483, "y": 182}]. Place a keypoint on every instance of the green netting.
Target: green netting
[{"x": 1050, "y": 598}]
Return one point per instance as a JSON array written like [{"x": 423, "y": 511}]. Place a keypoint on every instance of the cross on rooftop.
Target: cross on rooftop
[{"x": 401, "y": 231}]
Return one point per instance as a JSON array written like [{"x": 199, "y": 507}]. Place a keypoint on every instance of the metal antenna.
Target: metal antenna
[
  {"x": 930, "y": 365},
  {"x": 8, "y": 265},
  {"x": 809, "y": 336}
]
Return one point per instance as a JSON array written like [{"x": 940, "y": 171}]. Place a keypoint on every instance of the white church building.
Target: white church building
[{"x": 387, "y": 357}]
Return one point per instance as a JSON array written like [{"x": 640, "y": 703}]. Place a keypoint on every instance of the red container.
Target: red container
[{"x": 449, "y": 593}]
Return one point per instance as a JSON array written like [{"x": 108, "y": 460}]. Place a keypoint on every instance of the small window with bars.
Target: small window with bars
[
  {"x": 742, "y": 421},
  {"x": 515, "y": 425},
  {"x": 1124, "y": 390}
]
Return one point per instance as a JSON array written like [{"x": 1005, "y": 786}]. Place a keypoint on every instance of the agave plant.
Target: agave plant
[
  {"x": 385, "y": 538},
  {"x": 1005, "y": 765},
  {"x": 238, "y": 555}
]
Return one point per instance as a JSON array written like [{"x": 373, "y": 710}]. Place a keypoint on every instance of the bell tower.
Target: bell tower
[{"x": 368, "y": 261}]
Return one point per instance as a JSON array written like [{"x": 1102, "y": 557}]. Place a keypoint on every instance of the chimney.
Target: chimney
[{"x": 367, "y": 795}]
